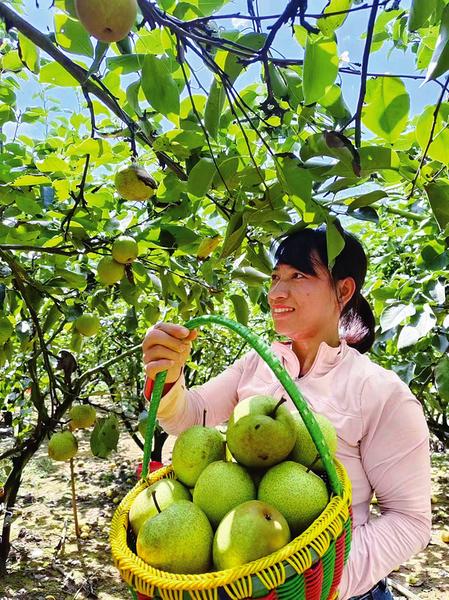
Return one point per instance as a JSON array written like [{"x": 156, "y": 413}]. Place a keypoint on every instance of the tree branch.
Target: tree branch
[
  {"x": 90, "y": 372},
  {"x": 12, "y": 19},
  {"x": 430, "y": 140},
  {"x": 364, "y": 74}
]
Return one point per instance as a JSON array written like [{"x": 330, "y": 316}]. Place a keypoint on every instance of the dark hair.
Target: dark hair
[{"x": 357, "y": 322}]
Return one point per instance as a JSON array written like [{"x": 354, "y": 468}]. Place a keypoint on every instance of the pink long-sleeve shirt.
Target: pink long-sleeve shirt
[{"x": 383, "y": 441}]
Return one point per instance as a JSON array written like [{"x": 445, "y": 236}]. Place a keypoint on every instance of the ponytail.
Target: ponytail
[{"x": 357, "y": 324}]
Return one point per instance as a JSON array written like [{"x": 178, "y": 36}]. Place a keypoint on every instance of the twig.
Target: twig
[
  {"x": 79, "y": 198},
  {"x": 430, "y": 140},
  {"x": 74, "y": 507},
  {"x": 290, "y": 12},
  {"x": 59, "y": 548},
  {"x": 364, "y": 73},
  {"x": 27, "y": 248}
]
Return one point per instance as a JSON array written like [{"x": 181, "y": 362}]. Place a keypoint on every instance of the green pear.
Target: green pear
[
  {"x": 62, "y": 446},
  {"x": 261, "y": 432},
  {"x": 250, "y": 531},
  {"x": 124, "y": 249},
  {"x": 105, "y": 20},
  {"x": 193, "y": 450},
  {"x": 82, "y": 416},
  {"x": 222, "y": 486},
  {"x": 300, "y": 495},
  {"x": 166, "y": 492},
  {"x": 109, "y": 271},
  {"x": 177, "y": 540},
  {"x": 304, "y": 451},
  {"x": 87, "y": 324}
]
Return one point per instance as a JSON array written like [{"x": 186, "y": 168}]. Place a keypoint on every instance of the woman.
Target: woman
[{"x": 382, "y": 434}]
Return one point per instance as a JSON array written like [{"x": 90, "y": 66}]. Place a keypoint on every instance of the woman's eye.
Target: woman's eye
[
  {"x": 298, "y": 275},
  {"x": 274, "y": 277}
]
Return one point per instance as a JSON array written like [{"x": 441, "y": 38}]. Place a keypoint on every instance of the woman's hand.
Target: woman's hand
[{"x": 166, "y": 347}]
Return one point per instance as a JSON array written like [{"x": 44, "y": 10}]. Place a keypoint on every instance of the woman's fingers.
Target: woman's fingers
[
  {"x": 166, "y": 347},
  {"x": 157, "y": 366}
]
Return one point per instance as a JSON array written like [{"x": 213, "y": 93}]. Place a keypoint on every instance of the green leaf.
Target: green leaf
[
  {"x": 438, "y": 194},
  {"x": 438, "y": 149},
  {"x": 441, "y": 373},
  {"x": 29, "y": 53},
  {"x": 296, "y": 181},
  {"x": 394, "y": 315},
  {"x": 28, "y": 204},
  {"x": 6, "y": 114},
  {"x": 320, "y": 66},
  {"x": 335, "y": 104},
  {"x": 235, "y": 234},
  {"x": 55, "y": 74},
  {"x": 201, "y": 176},
  {"x": 250, "y": 276},
  {"x": 387, "y": 106},
  {"x": 334, "y": 243},
  {"x": 52, "y": 163},
  {"x": 241, "y": 308},
  {"x": 30, "y": 180},
  {"x": 125, "y": 64},
  {"x": 159, "y": 86},
  {"x": 72, "y": 36},
  {"x": 232, "y": 66},
  {"x": 420, "y": 13},
  {"x": 104, "y": 437},
  {"x": 328, "y": 25},
  {"x": 439, "y": 62},
  {"x": 367, "y": 199}
]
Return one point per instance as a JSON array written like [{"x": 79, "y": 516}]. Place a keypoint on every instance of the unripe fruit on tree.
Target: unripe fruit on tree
[
  {"x": 87, "y": 324},
  {"x": 82, "y": 416},
  {"x": 109, "y": 271},
  {"x": 106, "y": 20},
  {"x": 62, "y": 446},
  {"x": 125, "y": 249},
  {"x": 134, "y": 183},
  {"x": 6, "y": 329}
]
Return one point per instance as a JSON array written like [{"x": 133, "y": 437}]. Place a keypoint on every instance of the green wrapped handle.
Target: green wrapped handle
[{"x": 273, "y": 362}]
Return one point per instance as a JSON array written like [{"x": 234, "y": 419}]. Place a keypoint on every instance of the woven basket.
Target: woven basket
[{"x": 308, "y": 568}]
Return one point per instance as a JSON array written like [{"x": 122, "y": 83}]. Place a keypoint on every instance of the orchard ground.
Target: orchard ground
[{"x": 47, "y": 563}]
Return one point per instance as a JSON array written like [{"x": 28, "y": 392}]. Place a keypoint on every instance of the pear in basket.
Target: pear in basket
[
  {"x": 261, "y": 432},
  {"x": 178, "y": 539},
  {"x": 166, "y": 491},
  {"x": 300, "y": 495},
  {"x": 250, "y": 531},
  {"x": 304, "y": 451},
  {"x": 194, "y": 449},
  {"x": 221, "y": 487}
]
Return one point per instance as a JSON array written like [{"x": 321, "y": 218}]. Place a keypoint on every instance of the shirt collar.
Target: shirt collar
[{"x": 326, "y": 358}]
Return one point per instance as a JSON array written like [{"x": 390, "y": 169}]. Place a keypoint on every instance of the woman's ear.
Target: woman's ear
[{"x": 345, "y": 290}]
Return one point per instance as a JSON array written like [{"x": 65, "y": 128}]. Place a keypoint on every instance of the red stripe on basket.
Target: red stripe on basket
[
  {"x": 314, "y": 581},
  {"x": 143, "y": 597},
  {"x": 339, "y": 562}
]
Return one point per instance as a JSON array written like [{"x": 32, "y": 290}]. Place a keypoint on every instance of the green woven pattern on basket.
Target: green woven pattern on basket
[
  {"x": 328, "y": 570},
  {"x": 348, "y": 538},
  {"x": 293, "y": 588}
]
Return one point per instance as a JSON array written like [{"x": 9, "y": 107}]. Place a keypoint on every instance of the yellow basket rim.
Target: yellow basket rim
[{"x": 326, "y": 528}]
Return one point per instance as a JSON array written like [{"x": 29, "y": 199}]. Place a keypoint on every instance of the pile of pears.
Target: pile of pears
[{"x": 237, "y": 498}]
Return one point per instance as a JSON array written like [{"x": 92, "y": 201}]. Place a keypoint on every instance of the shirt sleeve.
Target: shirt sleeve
[
  {"x": 181, "y": 408},
  {"x": 396, "y": 458}
]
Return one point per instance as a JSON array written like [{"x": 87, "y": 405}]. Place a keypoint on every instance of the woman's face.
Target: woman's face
[{"x": 303, "y": 306}]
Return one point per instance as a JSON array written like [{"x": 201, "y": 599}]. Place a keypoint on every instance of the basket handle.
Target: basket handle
[{"x": 273, "y": 362}]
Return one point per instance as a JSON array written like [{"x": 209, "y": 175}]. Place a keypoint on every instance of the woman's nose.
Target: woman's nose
[{"x": 278, "y": 290}]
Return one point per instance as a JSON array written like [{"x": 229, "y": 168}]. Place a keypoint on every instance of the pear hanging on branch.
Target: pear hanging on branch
[
  {"x": 134, "y": 183},
  {"x": 107, "y": 20}
]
